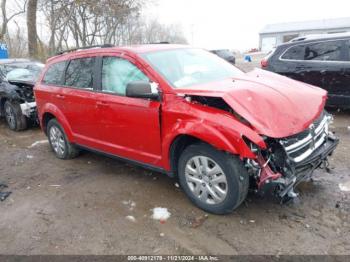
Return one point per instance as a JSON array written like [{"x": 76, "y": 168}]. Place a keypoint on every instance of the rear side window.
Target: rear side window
[
  {"x": 326, "y": 51},
  {"x": 117, "y": 73},
  {"x": 294, "y": 53},
  {"x": 54, "y": 75},
  {"x": 79, "y": 73}
]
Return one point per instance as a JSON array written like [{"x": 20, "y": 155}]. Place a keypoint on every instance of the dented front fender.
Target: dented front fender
[{"x": 211, "y": 125}]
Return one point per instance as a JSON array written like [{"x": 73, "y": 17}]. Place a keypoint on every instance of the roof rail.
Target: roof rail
[
  {"x": 320, "y": 36},
  {"x": 83, "y": 48}
]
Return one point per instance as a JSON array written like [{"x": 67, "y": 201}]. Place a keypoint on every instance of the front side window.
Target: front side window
[
  {"x": 117, "y": 73},
  {"x": 187, "y": 67},
  {"x": 295, "y": 53},
  {"x": 79, "y": 73},
  {"x": 325, "y": 51}
]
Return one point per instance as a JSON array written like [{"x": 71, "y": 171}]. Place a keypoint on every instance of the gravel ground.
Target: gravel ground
[{"x": 81, "y": 206}]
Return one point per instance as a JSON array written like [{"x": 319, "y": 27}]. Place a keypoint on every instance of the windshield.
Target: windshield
[
  {"x": 187, "y": 67},
  {"x": 21, "y": 71}
]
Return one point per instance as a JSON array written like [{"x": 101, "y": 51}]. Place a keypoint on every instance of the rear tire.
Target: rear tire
[
  {"x": 59, "y": 143},
  {"x": 16, "y": 121},
  {"x": 213, "y": 180}
]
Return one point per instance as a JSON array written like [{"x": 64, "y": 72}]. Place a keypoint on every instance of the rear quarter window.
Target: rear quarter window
[{"x": 54, "y": 74}]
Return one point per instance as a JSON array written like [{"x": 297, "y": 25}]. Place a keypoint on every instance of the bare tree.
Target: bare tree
[
  {"x": 19, "y": 7},
  {"x": 33, "y": 49}
]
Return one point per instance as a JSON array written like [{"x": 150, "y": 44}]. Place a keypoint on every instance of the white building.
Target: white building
[{"x": 275, "y": 34}]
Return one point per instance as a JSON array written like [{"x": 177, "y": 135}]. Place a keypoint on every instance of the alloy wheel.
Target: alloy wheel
[{"x": 57, "y": 141}]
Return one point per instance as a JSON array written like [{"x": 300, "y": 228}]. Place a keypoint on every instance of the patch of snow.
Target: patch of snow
[
  {"x": 131, "y": 218},
  {"x": 345, "y": 186},
  {"x": 30, "y": 157},
  {"x": 161, "y": 214},
  {"x": 36, "y": 143},
  {"x": 129, "y": 203}
]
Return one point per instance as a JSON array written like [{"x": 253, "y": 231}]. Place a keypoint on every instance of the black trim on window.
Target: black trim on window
[{"x": 98, "y": 73}]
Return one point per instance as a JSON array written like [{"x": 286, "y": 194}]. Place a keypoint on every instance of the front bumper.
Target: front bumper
[
  {"x": 303, "y": 171},
  {"x": 285, "y": 180},
  {"x": 29, "y": 110},
  {"x": 320, "y": 154}
]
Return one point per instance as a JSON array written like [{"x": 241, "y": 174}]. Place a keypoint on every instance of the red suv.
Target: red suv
[{"x": 189, "y": 114}]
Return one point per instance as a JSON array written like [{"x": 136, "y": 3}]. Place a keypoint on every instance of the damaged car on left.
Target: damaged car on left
[{"x": 17, "y": 102}]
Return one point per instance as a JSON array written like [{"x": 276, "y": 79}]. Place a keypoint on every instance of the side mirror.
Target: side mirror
[{"x": 141, "y": 89}]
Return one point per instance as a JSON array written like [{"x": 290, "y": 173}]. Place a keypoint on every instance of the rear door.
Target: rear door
[
  {"x": 342, "y": 94},
  {"x": 327, "y": 60},
  {"x": 79, "y": 99},
  {"x": 129, "y": 127},
  {"x": 51, "y": 87}
]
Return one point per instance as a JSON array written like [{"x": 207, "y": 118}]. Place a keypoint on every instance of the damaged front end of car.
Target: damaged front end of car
[
  {"x": 288, "y": 161},
  {"x": 22, "y": 93}
]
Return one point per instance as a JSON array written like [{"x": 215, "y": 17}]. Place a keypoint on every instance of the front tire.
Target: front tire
[
  {"x": 215, "y": 181},
  {"x": 16, "y": 121},
  {"x": 59, "y": 143}
]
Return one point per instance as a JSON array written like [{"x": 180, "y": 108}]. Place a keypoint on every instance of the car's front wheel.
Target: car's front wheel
[
  {"x": 16, "y": 121},
  {"x": 59, "y": 143},
  {"x": 213, "y": 180}
]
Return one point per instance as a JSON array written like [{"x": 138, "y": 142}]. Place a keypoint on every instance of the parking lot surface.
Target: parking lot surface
[{"x": 96, "y": 205}]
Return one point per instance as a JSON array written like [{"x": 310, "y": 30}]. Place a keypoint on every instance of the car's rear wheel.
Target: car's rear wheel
[
  {"x": 215, "y": 181},
  {"x": 16, "y": 121},
  {"x": 59, "y": 143}
]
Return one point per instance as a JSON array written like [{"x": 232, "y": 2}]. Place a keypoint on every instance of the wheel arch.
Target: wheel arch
[
  {"x": 49, "y": 112},
  {"x": 188, "y": 133},
  {"x": 180, "y": 143}
]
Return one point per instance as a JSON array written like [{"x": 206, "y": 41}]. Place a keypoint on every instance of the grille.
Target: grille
[{"x": 302, "y": 145}]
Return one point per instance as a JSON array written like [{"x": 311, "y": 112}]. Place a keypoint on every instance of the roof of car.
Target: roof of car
[
  {"x": 316, "y": 37},
  {"x": 152, "y": 47},
  {"x": 320, "y": 36},
  {"x": 137, "y": 49}
]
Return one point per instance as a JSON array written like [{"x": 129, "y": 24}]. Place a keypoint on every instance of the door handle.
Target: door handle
[
  {"x": 60, "y": 97},
  {"x": 101, "y": 104}
]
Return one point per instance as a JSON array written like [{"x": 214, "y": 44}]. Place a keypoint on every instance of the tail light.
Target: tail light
[{"x": 264, "y": 63}]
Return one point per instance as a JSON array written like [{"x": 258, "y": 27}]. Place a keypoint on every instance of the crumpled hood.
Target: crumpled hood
[{"x": 274, "y": 105}]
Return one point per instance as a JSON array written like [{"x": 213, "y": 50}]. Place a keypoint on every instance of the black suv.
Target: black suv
[{"x": 320, "y": 60}]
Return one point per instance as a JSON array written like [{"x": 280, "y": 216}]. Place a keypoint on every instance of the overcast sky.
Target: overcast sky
[{"x": 235, "y": 24}]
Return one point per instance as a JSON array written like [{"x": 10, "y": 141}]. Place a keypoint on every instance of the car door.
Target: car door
[
  {"x": 346, "y": 74},
  {"x": 51, "y": 86},
  {"x": 129, "y": 127},
  {"x": 292, "y": 64},
  {"x": 79, "y": 99},
  {"x": 327, "y": 59}
]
